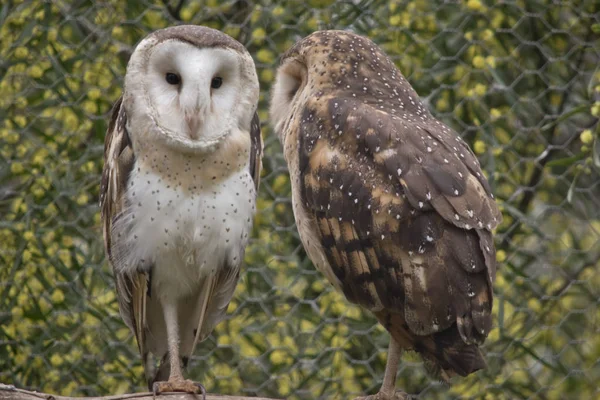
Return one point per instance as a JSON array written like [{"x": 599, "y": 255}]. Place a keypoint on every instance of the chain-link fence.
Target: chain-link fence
[{"x": 518, "y": 79}]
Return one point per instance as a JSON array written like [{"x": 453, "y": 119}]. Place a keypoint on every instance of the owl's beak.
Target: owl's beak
[{"x": 193, "y": 123}]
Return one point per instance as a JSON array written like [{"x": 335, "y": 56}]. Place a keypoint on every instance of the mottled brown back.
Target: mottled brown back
[{"x": 397, "y": 200}]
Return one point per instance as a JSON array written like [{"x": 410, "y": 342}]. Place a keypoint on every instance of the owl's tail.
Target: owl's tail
[
  {"x": 445, "y": 353},
  {"x": 159, "y": 374}
]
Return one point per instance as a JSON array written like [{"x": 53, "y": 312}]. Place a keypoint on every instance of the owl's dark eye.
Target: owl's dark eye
[
  {"x": 294, "y": 91},
  {"x": 172, "y": 79},
  {"x": 216, "y": 82}
]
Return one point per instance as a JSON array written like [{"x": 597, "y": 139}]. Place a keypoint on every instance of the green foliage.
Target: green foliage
[{"x": 518, "y": 80}]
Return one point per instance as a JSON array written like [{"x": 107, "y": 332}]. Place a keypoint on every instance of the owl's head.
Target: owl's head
[
  {"x": 290, "y": 83},
  {"x": 338, "y": 64},
  {"x": 189, "y": 86},
  {"x": 308, "y": 70}
]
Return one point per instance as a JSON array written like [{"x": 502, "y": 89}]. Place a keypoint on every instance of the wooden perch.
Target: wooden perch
[{"x": 9, "y": 392}]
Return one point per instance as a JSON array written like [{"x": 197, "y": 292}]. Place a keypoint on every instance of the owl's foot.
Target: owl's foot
[
  {"x": 397, "y": 395},
  {"x": 183, "y": 385}
]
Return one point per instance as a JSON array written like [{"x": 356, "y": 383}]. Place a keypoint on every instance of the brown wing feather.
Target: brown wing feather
[
  {"x": 118, "y": 163},
  {"x": 256, "y": 150},
  {"x": 404, "y": 216}
]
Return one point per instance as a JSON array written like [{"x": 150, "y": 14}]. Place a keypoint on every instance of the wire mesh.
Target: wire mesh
[{"x": 519, "y": 80}]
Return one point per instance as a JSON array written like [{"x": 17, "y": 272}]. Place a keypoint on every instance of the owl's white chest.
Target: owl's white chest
[{"x": 186, "y": 228}]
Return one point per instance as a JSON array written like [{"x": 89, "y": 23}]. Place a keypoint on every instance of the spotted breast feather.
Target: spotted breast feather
[{"x": 404, "y": 216}]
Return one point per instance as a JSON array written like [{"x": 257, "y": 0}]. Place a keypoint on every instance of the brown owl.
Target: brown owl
[{"x": 391, "y": 204}]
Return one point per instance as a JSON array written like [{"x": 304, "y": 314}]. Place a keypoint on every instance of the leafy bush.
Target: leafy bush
[{"x": 518, "y": 79}]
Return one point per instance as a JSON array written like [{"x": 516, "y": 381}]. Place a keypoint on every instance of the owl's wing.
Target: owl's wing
[
  {"x": 118, "y": 163},
  {"x": 404, "y": 215},
  {"x": 217, "y": 292},
  {"x": 256, "y": 150}
]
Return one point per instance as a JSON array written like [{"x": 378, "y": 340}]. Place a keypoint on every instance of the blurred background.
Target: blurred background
[{"x": 519, "y": 80}]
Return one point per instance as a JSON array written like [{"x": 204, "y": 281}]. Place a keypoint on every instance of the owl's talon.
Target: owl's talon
[
  {"x": 398, "y": 395},
  {"x": 202, "y": 389},
  {"x": 184, "y": 386}
]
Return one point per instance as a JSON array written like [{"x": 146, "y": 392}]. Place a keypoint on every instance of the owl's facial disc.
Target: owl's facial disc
[
  {"x": 291, "y": 80},
  {"x": 193, "y": 92}
]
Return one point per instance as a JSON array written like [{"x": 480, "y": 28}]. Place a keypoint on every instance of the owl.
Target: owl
[
  {"x": 182, "y": 160},
  {"x": 391, "y": 205}
]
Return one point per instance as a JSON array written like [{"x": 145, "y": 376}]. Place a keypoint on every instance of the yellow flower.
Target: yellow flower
[
  {"x": 12, "y": 138},
  {"x": 117, "y": 31},
  {"x": 90, "y": 107},
  {"x": 35, "y": 71},
  {"x": 265, "y": 56},
  {"x": 500, "y": 256},
  {"x": 586, "y": 136},
  {"x": 277, "y": 11},
  {"x": 82, "y": 199},
  {"x": 21, "y": 52},
  {"x": 58, "y": 296},
  {"x": 104, "y": 82},
  {"x": 52, "y": 34},
  {"x": 40, "y": 156},
  {"x": 278, "y": 357},
  {"x": 223, "y": 340},
  {"x": 306, "y": 326},
  {"x": 259, "y": 35},
  {"x": 106, "y": 298},
  {"x": 23, "y": 328},
  {"x": 70, "y": 388},
  {"x": 35, "y": 286},
  {"x": 337, "y": 341},
  {"x": 487, "y": 34},
  {"x": 27, "y": 255},
  {"x": 71, "y": 122},
  {"x": 266, "y": 75},
  {"x": 52, "y": 249},
  {"x": 479, "y": 62},
  {"x": 16, "y": 168},
  {"x": 62, "y": 320},
  {"x": 479, "y": 147},
  {"x": 480, "y": 89},
  {"x": 338, "y": 307},
  {"x": 534, "y": 305},
  {"x": 94, "y": 94},
  {"x": 395, "y": 20},
  {"x": 474, "y": 5},
  {"x": 442, "y": 104},
  {"x": 491, "y": 61},
  {"x": 56, "y": 360},
  {"x": 318, "y": 285},
  {"x": 20, "y": 120},
  {"x": 248, "y": 350},
  {"x": 48, "y": 237},
  {"x": 20, "y": 359},
  {"x": 17, "y": 312},
  {"x": 67, "y": 241},
  {"x": 50, "y": 210},
  {"x": 45, "y": 305},
  {"x": 123, "y": 334}
]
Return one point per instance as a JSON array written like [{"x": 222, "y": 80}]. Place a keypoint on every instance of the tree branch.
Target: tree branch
[
  {"x": 175, "y": 12},
  {"x": 9, "y": 392}
]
